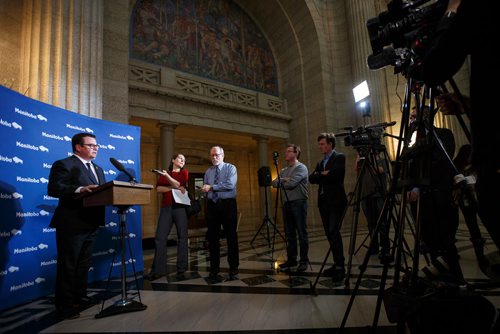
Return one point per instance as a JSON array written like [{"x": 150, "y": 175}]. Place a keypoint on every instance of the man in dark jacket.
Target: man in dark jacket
[
  {"x": 332, "y": 200},
  {"x": 76, "y": 226},
  {"x": 470, "y": 29}
]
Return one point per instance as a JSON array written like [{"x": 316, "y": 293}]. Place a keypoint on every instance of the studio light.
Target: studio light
[
  {"x": 361, "y": 98},
  {"x": 361, "y": 92}
]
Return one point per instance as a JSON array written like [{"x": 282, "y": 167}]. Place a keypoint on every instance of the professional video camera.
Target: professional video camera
[
  {"x": 399, "y": 35},
  {"x": 365, "y": 137}
]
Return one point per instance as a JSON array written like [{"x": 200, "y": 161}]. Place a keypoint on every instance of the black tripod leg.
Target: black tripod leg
[
  {"x": 132, "y": 260},
  {"x": 388, "y": 204},
  {"x": 354, "y": 231},
  {"x": 313, "y": 287},
  {"x": 109, "y": 278},
  {"x": 380, "y": 295},
  {"x": 258, "y": 232},
  {"x": 265, "y": 222}
]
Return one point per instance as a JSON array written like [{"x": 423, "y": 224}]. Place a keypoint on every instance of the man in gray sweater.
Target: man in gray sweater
[{"x": 292, "y": 182}]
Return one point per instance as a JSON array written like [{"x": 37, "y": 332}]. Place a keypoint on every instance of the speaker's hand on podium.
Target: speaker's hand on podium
[{"x": 89, "y": 188}]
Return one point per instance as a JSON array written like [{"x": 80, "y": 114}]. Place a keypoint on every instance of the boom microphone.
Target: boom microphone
[
  {"x": 118, "y": 165},
  {"x": 343, "y": 134},
  {"x": 380, "y": 125}
]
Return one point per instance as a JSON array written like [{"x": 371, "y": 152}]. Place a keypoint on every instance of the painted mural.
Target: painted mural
[{"x": 210, "y": 38}]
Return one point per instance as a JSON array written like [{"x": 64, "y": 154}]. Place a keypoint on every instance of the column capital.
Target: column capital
[
  {"x": 168, "y": 125},
  {"x": 260, "y": 138}
]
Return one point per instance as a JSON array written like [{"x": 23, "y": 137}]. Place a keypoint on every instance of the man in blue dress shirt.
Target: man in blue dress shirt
[{"x": 219, "y": 183}]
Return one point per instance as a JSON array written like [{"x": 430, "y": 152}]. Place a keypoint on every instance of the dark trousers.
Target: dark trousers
[
  {"x": 372, "y": 208},
  {"x": 295, "y": 219},
  {"x": 74, "y": 255},
  {"x": 488, "y": 196},
  {"x": 470, "y": 216},
  {"x": 224, "y": 212},
  {"x": 439, "y": 224},
  {"x": 331, "y": 216},
  {"x": 169, "y": 216}
]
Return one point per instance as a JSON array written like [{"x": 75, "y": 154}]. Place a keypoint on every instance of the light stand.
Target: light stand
[
  {"x": 275, "y": 158},
  {"x": 268, "y": 223},
  {"x": 124, "y": 304},
  {"x": 264, "y": 176},
  {"x": 279, "y": 189}
]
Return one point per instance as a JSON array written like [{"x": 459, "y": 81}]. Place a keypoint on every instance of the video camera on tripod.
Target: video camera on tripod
[
  {"x": 408, "y": 26},
  {"x": 369, "y": 136}
]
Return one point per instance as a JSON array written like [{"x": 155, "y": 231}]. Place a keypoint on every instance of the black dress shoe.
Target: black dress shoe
[
  {"x": 233, "y": 274},
  {"x": 386, "y": 258},
  {"x": 338, "y": 274},
  {"x": 302, "y": 267},
  {"x": 87, "y": 302},
  {"x": 288, "y": 264},
  {"x": 68, "y": 313},
  {"x": 152, "y": 276},
  {"x": 214, "y": 277},
  {"x": 495, "y": 268},
  {"x": 329, "y": 271}
]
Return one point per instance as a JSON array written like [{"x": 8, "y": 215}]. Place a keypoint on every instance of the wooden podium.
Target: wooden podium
[{"x": 121, "y": 195}]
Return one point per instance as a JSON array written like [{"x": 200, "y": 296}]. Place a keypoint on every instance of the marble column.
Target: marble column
[
  {"x": 360, "y": 11},
  {"x": 262, "y": 147},
  {"x": 167, "y": 134},
  {"x": 61, "y": 54}
]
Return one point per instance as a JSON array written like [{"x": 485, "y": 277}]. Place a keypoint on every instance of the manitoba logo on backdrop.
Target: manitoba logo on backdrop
[{"x": 33, "y": 135}]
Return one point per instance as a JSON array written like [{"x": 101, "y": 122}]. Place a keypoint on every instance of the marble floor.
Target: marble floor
[{"x": 261, "y": 299}]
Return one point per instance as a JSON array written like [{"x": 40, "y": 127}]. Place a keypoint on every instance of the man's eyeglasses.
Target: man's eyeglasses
[
  {"x": 90, "y": 145},
  {"x": 216, "y": 155}
]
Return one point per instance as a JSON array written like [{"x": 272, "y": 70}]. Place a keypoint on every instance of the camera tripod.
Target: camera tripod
[
  {"x": 413, "y": 169},
  {"x": 369, "y": 192}
]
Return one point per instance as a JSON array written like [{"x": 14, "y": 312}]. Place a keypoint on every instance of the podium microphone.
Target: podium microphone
[{"x": 118, "y": 165}]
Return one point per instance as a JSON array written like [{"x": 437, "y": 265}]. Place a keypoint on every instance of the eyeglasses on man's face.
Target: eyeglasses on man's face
[
  {"x": 92, "y": 146},
  {"x": 216, "y": 155}
]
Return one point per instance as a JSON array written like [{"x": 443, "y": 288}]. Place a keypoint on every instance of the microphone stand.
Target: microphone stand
[{"x": 278, "y": 189}]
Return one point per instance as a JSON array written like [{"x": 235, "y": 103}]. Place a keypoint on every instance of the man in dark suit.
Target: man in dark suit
[
  {"x": 439, "y": 214},
  {"x": 468, "y": 32},
  {"x": 76, "y": 226},
  {"x": 332, "y": 200}
]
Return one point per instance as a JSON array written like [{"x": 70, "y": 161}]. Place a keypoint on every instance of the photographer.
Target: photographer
[
  {"x": 469, "y": 28},
  {"x": 439, "y": 215}
]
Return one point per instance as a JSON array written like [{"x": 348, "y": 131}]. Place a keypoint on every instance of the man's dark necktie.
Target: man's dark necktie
[
  {"x": 91, "y": 174},
  {"x": 323, "y": 165},
  {"x": 216, "y": 180}
]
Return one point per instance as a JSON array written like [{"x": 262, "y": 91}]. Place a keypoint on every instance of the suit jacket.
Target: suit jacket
[
  {"x": 331, "y": 185},
  {"x": 65, "y": 177},
  {"x": 442, "y": 171}
]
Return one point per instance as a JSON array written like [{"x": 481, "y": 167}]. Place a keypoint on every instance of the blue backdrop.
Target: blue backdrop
[{"x": 32, "y": 136}]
